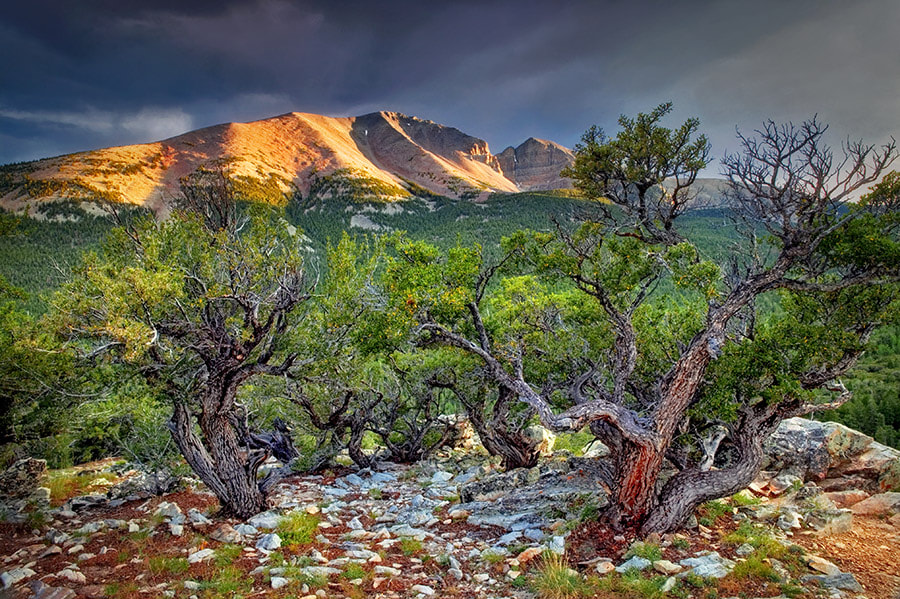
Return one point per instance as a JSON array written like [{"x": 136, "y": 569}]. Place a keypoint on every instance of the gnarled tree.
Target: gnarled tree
[
  {"x": 199, "y": 304},
  {"x": 667, "y": 380}
]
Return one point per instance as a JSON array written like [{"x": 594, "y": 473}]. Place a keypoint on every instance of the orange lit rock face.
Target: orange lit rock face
[{"x": 390, "y": 149}]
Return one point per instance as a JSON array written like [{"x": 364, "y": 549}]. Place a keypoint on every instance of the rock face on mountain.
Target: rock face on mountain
[
  {"x": 535, "y": 164},
  {"x": 383, "y": 155}
]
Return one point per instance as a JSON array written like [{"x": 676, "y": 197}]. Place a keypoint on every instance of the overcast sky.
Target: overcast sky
[{"x": 84, "y": 74}]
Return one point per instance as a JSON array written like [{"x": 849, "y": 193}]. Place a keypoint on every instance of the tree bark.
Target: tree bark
[{"x": 220, "y": 462}]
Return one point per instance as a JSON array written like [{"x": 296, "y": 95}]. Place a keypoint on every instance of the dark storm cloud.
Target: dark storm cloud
[{"x": 89, "y": 74}]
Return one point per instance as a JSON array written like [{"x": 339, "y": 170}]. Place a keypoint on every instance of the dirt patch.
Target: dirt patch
[{"x": 869, "y": 551}]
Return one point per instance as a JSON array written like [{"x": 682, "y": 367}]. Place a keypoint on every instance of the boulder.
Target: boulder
[
  {"x": 886, "y": 504},
  {"x": 21, "y": 480},
  {"x": 845, "y": 499},
  {"x": 524, "y": 499},
  {"x": 840, "y": 457},
  {"x": 544, "y": 438}
]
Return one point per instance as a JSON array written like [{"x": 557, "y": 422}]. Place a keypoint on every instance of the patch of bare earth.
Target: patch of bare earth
[{"x": 870, "y": 551}]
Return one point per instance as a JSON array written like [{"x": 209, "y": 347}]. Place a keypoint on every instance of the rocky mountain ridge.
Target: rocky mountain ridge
[{"x": 381, "y": 156}]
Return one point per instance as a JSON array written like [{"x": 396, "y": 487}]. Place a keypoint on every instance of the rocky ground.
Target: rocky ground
[{"x": 455, "y": 526}]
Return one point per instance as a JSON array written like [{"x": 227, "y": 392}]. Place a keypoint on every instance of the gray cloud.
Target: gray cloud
[{"x": 105, "y": 72}]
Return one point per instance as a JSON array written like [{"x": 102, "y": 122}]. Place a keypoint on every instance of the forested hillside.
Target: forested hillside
[{"x": 40, "y": 252}]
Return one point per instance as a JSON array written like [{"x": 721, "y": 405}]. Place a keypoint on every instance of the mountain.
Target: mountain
[
  {"x": 535, "y": 165},
  {"x": 380, "y": 156}
]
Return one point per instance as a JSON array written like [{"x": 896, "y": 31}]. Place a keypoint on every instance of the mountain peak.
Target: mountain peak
[
  {"x": 386, "y": 154},
  {"x": 535, "y": 164}
]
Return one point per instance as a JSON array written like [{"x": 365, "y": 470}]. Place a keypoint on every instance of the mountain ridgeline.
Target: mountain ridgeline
[{"x": 382, "y": 156}]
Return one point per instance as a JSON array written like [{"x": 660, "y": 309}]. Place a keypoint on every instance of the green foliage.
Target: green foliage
[
  {"x": 758, "y": 537},
  {"x": 554, "y": 579},
  {"x": 353, "y": 571},
  {"x": 353, "y": 185},
  {"x": 755, "y": 567},
  {"x": 633, "y": 585},
  {"x": 410, "y": 546},
  {"x": 298, "y": 528},
  {"x": 168, "y": 565},
  {"x": 227, "y": 554}
]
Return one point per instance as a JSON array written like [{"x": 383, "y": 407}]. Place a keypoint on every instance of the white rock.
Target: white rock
[
  {"x": 277, "y": 582},
  {"x": 269, "y": 542},
  {"x": 267, "y": 520},
  {"x": 15, "y": 576},
  {"x": 199, "y": 556},
  {"x": 72, "y": 576},
  {"x": 167, "y": 509},
  {"x": 422, "y": 589}
]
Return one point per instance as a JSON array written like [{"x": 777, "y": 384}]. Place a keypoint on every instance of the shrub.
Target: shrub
[{"x": 298, "y": 528}]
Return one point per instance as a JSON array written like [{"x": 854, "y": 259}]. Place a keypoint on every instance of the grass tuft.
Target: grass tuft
[
  {"x": 554, "y": 579},
  {"x": 298, "y": 528}
]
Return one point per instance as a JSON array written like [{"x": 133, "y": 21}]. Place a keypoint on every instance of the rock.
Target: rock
[
  {"x": 784, "y": 482},
  {"x": 604, "y": 568},
  {"x": 72, "y": 576},
  {"x": 56, "y": 537},
  {"x": 441, "y": 476},
  {"x": 845, "y": 499},
  {"x": 788, "y": 520},
  {"x": 387, "y": 571},
  {"x": 42, "y": 590},
  {"x": 843, "y": 581},
  {"x": 145, "y": 484},
  {"x": 192, "y": 585},
  {"x": 595, "y": 449},
  {"x": 167, "y": 509},
  {"x": 830, "y": 522},
  {"x": 176, "y": 530},
  {"x": 529, "y": 554},
  {"x": 542, "y": 437},
  {"x": 822, "y": 565},
  {"x": 456, "y": 573},
  {"x": 246, "y": 530},
  {"x": 354, "y": 479},
  {"x": 886, "y": 504},
  {"x": 666, "y": 567},
  {"x": 267, "y": 520},
  {"x": 711, "y": 565},
  {"x": 15, "y": 576},
  {"x": 534, "y": 534},
  {"x": 522, "y": 498},
  {"x": 21, "y": 480},
  {"x": 196, "y": 517},
  {"x": 317, "y": 571},
  {"x": 827, "y": 450},
  {"x": 422, "y": 589},
  {"x": 635, "y": 563},
  {"x": 557, "y": 544},
  {"x": 51, "y": 550},
  {"x": 277, "y": 582},
  {"x": 745, "y": 549},
  {"x": 268, "y": 542},
  {"x": 90, "y": 528},
  {"x": 510, "y": 537},
  {"x": 535, "y": 164},
  {"x": 355, "y": 524},
  {"x": 225, "y": 534},
  {"x": 199, "y": 556}
]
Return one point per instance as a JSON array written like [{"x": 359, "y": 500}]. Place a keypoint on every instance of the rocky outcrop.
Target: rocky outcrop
[
  {"x": 535, "y": 165},
  {"x": 837, "y": 456},
  {"x": 22, "y": 479}
]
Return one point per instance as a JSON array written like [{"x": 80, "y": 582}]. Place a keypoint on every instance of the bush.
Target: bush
[{"x": 298, "y": 528}]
